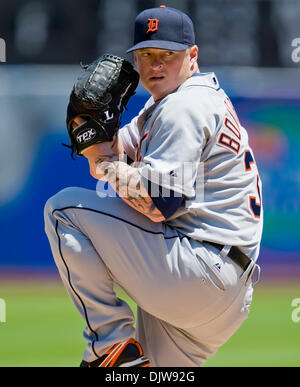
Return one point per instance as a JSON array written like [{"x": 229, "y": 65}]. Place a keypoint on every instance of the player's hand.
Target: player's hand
[{"x": 100, "y": 155}]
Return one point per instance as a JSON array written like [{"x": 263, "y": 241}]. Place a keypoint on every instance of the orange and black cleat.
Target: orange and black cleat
[{"x": 124, "y": 354}]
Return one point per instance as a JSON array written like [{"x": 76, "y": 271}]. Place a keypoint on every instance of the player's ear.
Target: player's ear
[
  {"x": 194, "y": 54},
  {"x": 194, "y": 58}
]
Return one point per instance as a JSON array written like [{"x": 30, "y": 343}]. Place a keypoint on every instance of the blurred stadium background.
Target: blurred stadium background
[{"x": 248, "y": 44}]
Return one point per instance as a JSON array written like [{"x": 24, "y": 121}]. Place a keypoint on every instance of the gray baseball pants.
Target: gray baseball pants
[{"x": 187, "y": 306}]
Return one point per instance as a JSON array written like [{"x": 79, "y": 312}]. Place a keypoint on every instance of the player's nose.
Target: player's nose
[{"x": 156, "y": 63}]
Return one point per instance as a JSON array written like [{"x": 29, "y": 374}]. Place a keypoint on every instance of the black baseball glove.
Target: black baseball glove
[{"x": 100, "y": 96}]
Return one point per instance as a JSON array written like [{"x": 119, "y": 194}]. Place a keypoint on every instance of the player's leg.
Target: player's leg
[
  {"x": 167, "y": 345},
  {"x": 157, "y": 268},
  {"x": 94, "y": 242},
  {"x": 89, "y": 284}
]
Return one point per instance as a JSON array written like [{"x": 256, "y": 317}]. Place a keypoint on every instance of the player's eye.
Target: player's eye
[{"x": 169, "y": 53}]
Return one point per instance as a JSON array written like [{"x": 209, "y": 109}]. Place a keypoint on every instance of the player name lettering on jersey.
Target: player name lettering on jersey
[{"x": 231, "y": 127}]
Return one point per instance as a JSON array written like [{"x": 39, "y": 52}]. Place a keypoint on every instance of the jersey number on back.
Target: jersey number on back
[
  {"x": 232, "y": 140},
  {"x": 255, "y": 206}
]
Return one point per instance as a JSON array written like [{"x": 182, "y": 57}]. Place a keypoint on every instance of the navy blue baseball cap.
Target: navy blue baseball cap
[{"x": 163, "y": 27}]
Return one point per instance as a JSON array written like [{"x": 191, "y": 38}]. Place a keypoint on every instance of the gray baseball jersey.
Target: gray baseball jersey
[
  {"x": 191, "y": 297},
  {"x": 193, "y": 143}
]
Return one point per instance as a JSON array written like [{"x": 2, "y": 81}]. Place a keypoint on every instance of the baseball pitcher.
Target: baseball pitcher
[{"x": 182, "y": 234}]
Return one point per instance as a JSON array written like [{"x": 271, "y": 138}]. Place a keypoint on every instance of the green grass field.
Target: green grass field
[{"x": 43, "y": 328}]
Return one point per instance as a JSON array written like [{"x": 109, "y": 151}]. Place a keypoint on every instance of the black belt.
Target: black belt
[{"x": 235, "y": 254}]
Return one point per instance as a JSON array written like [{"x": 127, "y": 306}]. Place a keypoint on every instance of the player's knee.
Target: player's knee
[{"x": 60, "y": 200}]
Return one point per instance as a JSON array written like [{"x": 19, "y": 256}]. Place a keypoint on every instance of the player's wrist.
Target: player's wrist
[{"x": 104, "y": 170}]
